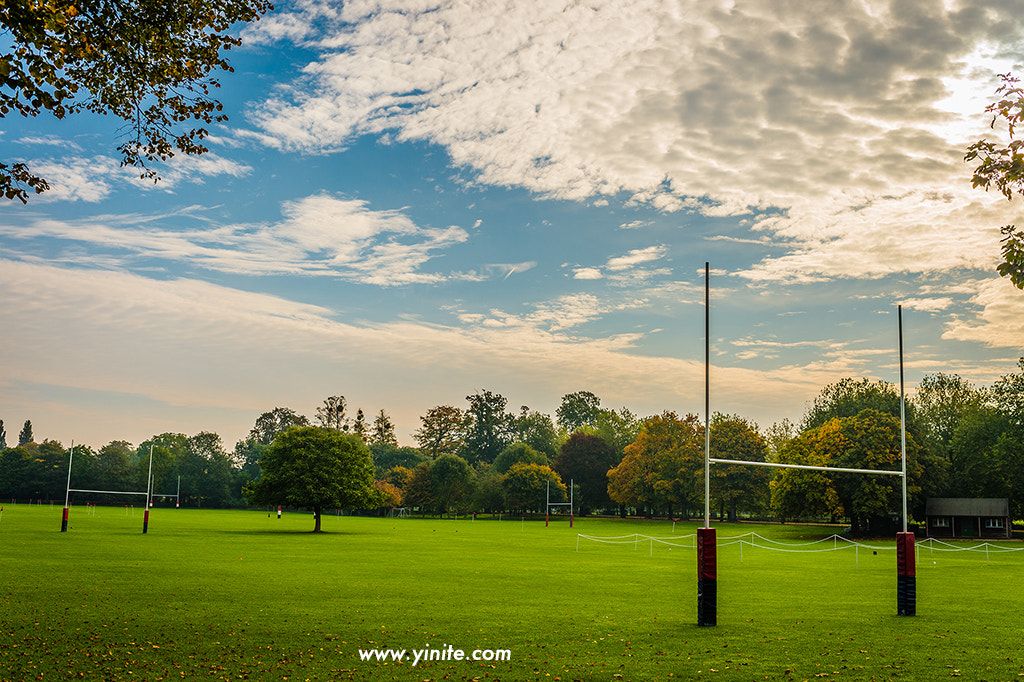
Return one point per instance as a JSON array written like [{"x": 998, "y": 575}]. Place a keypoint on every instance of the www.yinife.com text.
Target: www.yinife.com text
[{"x": 445, "y": 652}]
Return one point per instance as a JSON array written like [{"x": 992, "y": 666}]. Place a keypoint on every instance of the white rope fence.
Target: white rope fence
[{"x": 758, "y": 541}]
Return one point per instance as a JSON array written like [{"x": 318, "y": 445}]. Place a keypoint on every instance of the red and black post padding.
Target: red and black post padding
[
  {"x": 707, "y": 577},
  {"x": 906, "y": 575},
  {"x": 145, "y": 522},
  {"x": 64, "y": 522}
]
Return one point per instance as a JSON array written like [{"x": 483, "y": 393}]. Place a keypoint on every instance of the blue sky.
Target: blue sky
[{"x": 416, "y": 200}]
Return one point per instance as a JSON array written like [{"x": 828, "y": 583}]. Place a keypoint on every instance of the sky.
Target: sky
[{"x": 416, "y": 200}]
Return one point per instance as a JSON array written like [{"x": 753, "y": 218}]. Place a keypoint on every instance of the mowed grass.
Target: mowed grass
[{"x": 229, "y": 595}]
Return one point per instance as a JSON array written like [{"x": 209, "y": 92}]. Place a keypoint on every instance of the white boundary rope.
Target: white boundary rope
[{"x": 752, "y": 539}]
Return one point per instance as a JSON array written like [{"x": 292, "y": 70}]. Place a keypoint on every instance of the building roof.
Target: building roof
[{"x": 967, "y": 506}]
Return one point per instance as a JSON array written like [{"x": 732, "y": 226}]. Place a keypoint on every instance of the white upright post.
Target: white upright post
[
  {"x": 707, "y": 395},
  {"x": 149, "y": 491},
  {"x": 67, "y": 491},
  {"x": 903, "y": 422}
]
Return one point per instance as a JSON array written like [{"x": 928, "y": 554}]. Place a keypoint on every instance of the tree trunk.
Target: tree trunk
[{"x": 316, "y": 517}]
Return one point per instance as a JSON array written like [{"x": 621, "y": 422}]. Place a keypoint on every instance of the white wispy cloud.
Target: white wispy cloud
[
  {"x": 93, "y": 179},
  {"x": 319, "y": 235},
  {"x": 851, "y": 122}
]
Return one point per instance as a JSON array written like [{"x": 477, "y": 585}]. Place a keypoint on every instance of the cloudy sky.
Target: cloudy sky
[{"x": 418, "y": 199}]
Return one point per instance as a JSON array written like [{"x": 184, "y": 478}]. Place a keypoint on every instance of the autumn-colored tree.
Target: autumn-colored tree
[
  {"x": 868, "y": 440},
  {"x": 526, "y": 487},
  {"x": 663, "y": 469},
  {"x": 147, "y": 62}
]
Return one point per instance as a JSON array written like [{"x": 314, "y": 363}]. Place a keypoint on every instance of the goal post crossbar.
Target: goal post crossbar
[
  {"x": 107, "y": 492},
  {"x": 806, "y": 466}
]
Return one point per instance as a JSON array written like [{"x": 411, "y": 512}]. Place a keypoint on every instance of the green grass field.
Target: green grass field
[{"x": 230, "y": 595}]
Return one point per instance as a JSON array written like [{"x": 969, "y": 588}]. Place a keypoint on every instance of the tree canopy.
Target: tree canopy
[
  {"x": 147, "y": 62},
  {"x": 1001, "y": 165},
  {"x": 315, "y": 468}
]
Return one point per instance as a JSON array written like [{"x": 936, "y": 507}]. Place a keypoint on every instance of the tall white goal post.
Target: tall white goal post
[
  {"x": 707, "y": 560},
  {"x": 69, "y": 490}
]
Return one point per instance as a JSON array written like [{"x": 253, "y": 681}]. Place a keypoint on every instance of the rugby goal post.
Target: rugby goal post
[
  {"x": 707, "y": 559},
  {"x": 549, "y": 504},
  {"x": 69, "y": 490}
]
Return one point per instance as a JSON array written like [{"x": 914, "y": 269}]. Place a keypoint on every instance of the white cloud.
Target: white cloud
[
  {"x": 635, "y": 258},
  {"x": 587, "y": 273},
  {"x": 851, "y": 122},
  {"x": 317, "y": 235},
  {"x": 199, "y": 345},
  {"x": 999, "y": 324},
  {"x": 93, "y": 179}
]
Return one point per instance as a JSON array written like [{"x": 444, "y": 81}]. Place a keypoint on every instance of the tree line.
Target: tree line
[{"x": 961, "y": 441}]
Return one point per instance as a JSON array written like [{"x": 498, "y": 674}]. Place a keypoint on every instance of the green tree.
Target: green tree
[
  {"x": 737, "y": 486},
  {"x": 537, "y": 430},
  {"x": 1008, "y": 395},
  {"x": 315, "y": 468},
  {"x": 383, "y": 430},
  {"x": 278, "y": 420},
  {"x": 847, "y": 397},
  {"x": 387, "y": 456},
  {"x": 146, "y": 62},
  {"x": 442, "y": 431},
  {"x": 114, "y": 470},
  {"x": 518, "y": 453},
  {"x": 526, "y": 487},
  {"x": 585, "y": 460},
  {"x": 577, "y": 410},
  {"x": 490, "y": 427},
  {"x": 331, "y": 415},
  {"x": 452, "y": 479},
  {"x": 617, "y": 428},
  {"x": 359, "y": 426},
  {"x": 205, "y": 470},
  {"x": 25, "y": 435},
  {"x": 489, "y": 495},
  {"x": 419, "y": 490},
  {"x": 1002, "y": 165}
]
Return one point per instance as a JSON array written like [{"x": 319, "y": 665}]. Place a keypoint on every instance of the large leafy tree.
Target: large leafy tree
[
  {"x": 585, "y": 460},
  {"x": 452, "y": 479},
  {"x": 537, "y": 430},
  {"x": 518, "y": 453},
  {"x": 490, "y": 427},
  {"x": 331, "y": 414},
  {"x": 527, "y": 485},
  {"x": 278, "y": 420},
  {"x": 735, "y": 486},
  {"x": 578, "y": 410},
  {"x": 867, "y": 440},
  {"x": 661, "y": 468},
  {"x": 1001, "y": 165},
  {"x": 147, "y": 62},
  {"x": 315, "y": 468},
  {"x": 441, "y": 431},
  {"x": 383, "y": 430},
  {"x": 25, "y": 435}
]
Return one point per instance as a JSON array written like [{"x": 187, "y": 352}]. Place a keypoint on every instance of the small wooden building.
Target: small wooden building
[{"x": 966, "y": 517}]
